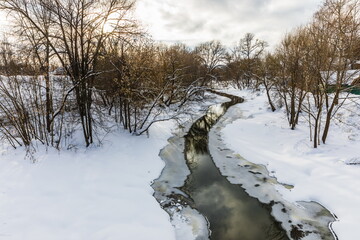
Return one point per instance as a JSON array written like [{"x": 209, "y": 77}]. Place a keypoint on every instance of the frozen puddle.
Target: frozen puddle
[{"x": 244, "y": 204}]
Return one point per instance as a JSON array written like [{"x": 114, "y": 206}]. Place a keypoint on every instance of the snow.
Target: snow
[
  {"x": 98, "y": 193},
  {"x": 349, "y": 77},
  {"x": 105, "y": 192},
  {"x": 328, "y": 175}
]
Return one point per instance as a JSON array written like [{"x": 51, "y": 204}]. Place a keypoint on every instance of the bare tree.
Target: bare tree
[
  {"x": 76, "y": 36},
  {"x": 211, "y": 55},
  {"x": 246, "y": 57},
  {"x": 340, "y": 20},
  {"x": 291, "y": 86},
  {"x": 267, "y": 75},
  {"x": 147, "y": 81}
]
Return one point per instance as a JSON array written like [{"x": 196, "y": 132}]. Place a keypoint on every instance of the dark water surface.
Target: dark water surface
[{"x": 231, "y": 212}]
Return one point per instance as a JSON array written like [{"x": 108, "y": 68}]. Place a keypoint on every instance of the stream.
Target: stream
[
  {"x": 232, "y": 213},
  {"x": 192, "y": 188}
]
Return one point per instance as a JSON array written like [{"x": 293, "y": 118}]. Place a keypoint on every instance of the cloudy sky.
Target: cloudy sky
[{"x": 194, "y": 21}]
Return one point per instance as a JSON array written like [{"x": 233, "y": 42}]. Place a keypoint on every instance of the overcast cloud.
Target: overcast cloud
[{"x": 194, "y": 21}]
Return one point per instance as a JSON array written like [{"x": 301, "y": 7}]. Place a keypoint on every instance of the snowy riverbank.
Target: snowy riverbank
[
  {"x": 105, "y": 192},
  {"x": 96, "y": 193},
  {"x": 321, "y": 175}
]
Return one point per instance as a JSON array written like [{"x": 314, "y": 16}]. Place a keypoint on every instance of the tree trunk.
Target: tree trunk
[
  {"x": 267, "y": 88},
  {"x": 328, "y": 118}
]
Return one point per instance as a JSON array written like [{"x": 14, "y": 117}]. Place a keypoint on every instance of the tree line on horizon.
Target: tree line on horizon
[{"x": 113, "y": 71}]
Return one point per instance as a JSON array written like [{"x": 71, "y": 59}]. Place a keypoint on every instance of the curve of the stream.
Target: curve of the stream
[{"x": 221, "y": 196}]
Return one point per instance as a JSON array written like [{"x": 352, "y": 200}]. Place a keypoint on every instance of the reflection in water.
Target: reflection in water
[{"x": 231, "y": 212}]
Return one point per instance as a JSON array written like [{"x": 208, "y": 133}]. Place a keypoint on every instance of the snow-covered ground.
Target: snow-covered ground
[
  {"x": 97, "y": 193},
  {"x": 323, "y": 175},
  {"x": 93, "y": 193},
  {"x": 105, "y": 192}
]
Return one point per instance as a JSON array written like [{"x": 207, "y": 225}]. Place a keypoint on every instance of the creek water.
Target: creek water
[
  {"x": 239, "y": 201},
  {"x": 231, "y": 213}
]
